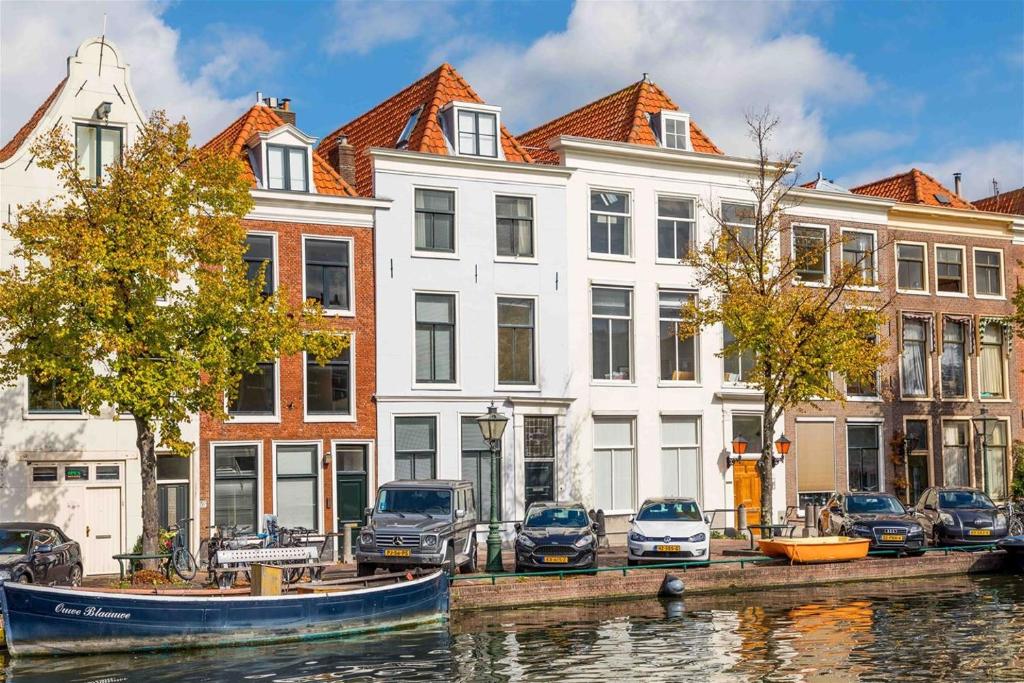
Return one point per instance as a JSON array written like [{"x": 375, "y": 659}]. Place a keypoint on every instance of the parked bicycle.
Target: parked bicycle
[
  {"x": 182, "y": 561},
  {"x": 1014, "y": 518}
]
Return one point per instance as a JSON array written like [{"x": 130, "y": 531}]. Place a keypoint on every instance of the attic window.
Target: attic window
[
  {"x": 672, "y": 129},
  {"x": 286, "y": 168},
  {"x": 478, "y": 133},
  {"x": 942, "y": 198},
  {"x": 414, "y": 117}
]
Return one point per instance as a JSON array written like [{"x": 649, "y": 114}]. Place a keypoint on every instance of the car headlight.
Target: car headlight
[
  {"x": 5, "y": 575},
  {"x": 527, "y": 542},
  {"x": 946, "y": 519},
  {"x": 699, "y": 538},
  {"x": 1000, "y": 522},
  {"x": 583, "y": 542},
  {"x": 366, "y": 538},
  {"x": 861, "y": 529},
  {"x": 915, "y": 529},
  {"x": 639, "y": 538},
  {"x": 430, "y": 540}
]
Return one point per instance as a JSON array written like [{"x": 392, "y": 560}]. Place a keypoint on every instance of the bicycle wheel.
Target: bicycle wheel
[
  {"x": 184, "y": 564},
  {"x": 1016, "y": 526}
]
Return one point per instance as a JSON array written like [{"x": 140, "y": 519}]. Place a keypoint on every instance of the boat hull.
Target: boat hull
[
  {"x": 54, "y": 621},
  {"x": 813, "y": 550},
  {"x": 1014, "y": 547}
]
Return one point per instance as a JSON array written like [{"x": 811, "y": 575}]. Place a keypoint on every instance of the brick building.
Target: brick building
[{"x": 299, "y": 441}]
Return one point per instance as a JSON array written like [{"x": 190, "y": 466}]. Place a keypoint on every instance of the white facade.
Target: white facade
[
  {"x": 476, "y": 277},
  {"x": 75, "y": 470}
]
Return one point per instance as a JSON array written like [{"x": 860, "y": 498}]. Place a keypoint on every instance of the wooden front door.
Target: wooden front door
[{"x": 746, "y": 487}]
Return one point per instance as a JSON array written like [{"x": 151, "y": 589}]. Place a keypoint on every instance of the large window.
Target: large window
[
  {"x": 478, "y": 133},
  {"x": 739, "y": 364},
  {"x": 48, "y": 397},
  {"x": 862, "y": 457},
  {"x": 514, "y": 217},
  {"x": 678, "y": 355},
  {"x": 257, "y": 393},
  {"x": 995, "y": 461},
  {"x": 815, "y": 446},
  {"x": 949, "y": 269},
  {"x": 992, "y": 360},
  {"x": 286, "y": 168},
  {"x": 914, "y": 357},
  {"x": 918, "y": 477},
  {"x": 235, "y": 477},
  {"x": 516, "y": 341},
  {"x": 435, "y": 338},
  {"x": 259, "y": 257},
  {"x": 676, "y": 227},
  {"x": 539, "y": 455},
  {"x": 740, "y": 223},
  {"x": 329, "y": 386},
  {"x": 612, "y": 329},
  {"x": 614, "y": 455},
  {"x": 810, "y": 251},
  {"x": 859, "y": 255},
  {"x": 865, "y": 388},
  {"x": 988, "y": 272},
  {"x": 680, "y": 456},
  {"x": 954, "y": 358},
  {"x": 956, "y": 465},
  {"x": 435, "y": 220},
  {"x": 327, "y": 266},
  {"x": 415, "y": 447},
  {"x": 609, "y": 223},
  {"x": 911, "y": 267},
  {"x": 296, "y": 495},
  {"x": 96, "y": 148},
  {"x": 476, "y": 466}
]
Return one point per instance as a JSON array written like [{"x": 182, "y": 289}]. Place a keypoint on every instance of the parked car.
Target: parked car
[
  {"x": 31, "y": 552},
  {"x": 423, "y": 523},
  {"x": 879, "y": 517},
  {"x": 556, "y": 535},
  {"x": 960, "y": 516},
  {"x": 668, "y": 530}
]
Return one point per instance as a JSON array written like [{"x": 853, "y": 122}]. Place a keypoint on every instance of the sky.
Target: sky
[{"x": 862, "y": 89}]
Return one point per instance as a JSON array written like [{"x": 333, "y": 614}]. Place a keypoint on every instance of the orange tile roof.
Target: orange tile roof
[
  {"x": 1005, "y": 202},
  {"x": 619, "y": 117},
  {"x": 381, "y": 126},
  {"x": 913, "y": 187},
  {"x": 15, "y": 143},
  {"x": 262, "y": 119}
]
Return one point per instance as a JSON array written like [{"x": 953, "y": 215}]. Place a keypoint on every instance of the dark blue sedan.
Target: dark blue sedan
[{"x": 556, "y": 536}]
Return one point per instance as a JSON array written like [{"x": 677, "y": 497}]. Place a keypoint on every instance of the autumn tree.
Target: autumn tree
[
  {"x": 131, "y": 295},
  {"x": 801, "y": 336}
]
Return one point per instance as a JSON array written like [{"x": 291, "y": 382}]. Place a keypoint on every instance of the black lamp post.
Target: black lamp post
[
  {"x": 739, "y": 447},
  {"x": 492, "y": 426},
  {"x": 983, "y": 424},
  {"x": 782, "y": 445}
]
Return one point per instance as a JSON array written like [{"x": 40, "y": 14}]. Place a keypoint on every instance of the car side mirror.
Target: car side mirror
[
  {"x": 367, "y": 512},
  {"x": 459, "y": 514},
  {"x": 911, "y": 511},
  {"x": 632, "y": 519},
  {"x": 43, "y": 549},
  {"x": 518, "y": 527},
  {"x": 707, "y": 519}
]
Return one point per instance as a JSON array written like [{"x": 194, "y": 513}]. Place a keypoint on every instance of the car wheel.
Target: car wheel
[
  {"x": 631, "y": 562},
  {"x": 471, "y": 566},
  {"x": 365, "y": 569},
  {"x": 75, "y": 577},
  {"x": 915, "y": 553},
  {"x": 449, "y": 560},
  {"x": 519, "y": 569}
]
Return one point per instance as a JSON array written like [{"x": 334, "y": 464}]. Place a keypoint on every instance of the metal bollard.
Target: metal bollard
[
  {"x": 741, "y": 519},
  {"x": 602, "y": 532},
  {"x": 346, "y": 543},
  {"x": 810, "y": 515}
]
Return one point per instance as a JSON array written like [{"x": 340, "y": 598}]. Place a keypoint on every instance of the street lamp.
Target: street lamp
[
  {"x": 492, "y": 426},
  {"x": 983, "y": 424},
  {"x": 782, "y": 445},
  {"x": 739, "y": 447}
]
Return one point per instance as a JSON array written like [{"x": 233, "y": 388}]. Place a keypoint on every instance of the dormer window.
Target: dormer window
[
  {"x": 672, "y": 129},
  {"x": 478, "y": 133},
  {"x": 286, "y": 168},
  {"x": 403, "y": 139}
]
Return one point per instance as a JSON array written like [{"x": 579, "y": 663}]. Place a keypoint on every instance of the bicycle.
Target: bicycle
[
  {"x": 299, "y": 537},
  {"x": 1014, "y": 518},
  {"x": 182, "y": 561}
]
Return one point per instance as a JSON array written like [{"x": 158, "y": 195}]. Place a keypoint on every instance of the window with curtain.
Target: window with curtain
[
  {"x": 614, "y": 457},
  {"x": 329, "y": 386},
  {"x": 514, "y": 217},
  {"x": 415, "y": 447},
  {"x": 910, "y": 267},
  {"x": 995, "y": 461},
  {"x": 992, "y": 361},
  {"x": 327, "y": 273},
  {"x": 680, "y": 456},
  {"x": 539, "y": 457},
  {"x": 678, "y": 355},
  {"x": 476, "y": 466},
  {"x": 862, "y": 457},
  {"x": 296, "y": 486},
  {"x": 913, "y": 359},
  {"x": 435, "y": 338},
  {"x": 676, "y": 224},
  {"x": 739, "y": 364},
  {"x": 435, "y": 220},
  {"x": 259, "y": 257},
  {"x": 810, "y": 251},
  {"x": 859, "y": 254},
  {"x": 956, "y": 453},
  {"x": 515, "y": 341},
  {"x": 954, "y": 359},
  {"x": 611, "y": 332},
  {"x": 949, "y": 269},
  {"x": 235, "y": 480},
  {"x": 609, "y": 223},
  {"x": 814, "y": 447}
]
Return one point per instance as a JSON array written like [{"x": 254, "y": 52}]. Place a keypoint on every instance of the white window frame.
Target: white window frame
[
  {"x": 698, "y": 445},
  {"x": 267, "y": 144},
  {"x": 828, "y": 255},
  {"x": 694, "y": 231},
  {"x": 424, "y": 253},
  {"x": 874, "y": 256},
  {"x": 697, "y": 374},
  {"x": 941, "y": 342},
  {"x": 1008, "y": 461},
  {"x": 926, "y": 276},
  {"x": 349, "y": 312},
  {"x": 1002, "y": 273},
  {"x": 629, "y": 256},
  {"x": 351, "y": 415},
  {"x": 535, "y": 385},
  {"x": 212, "y": 479},
  {"x": 877, "y": 398},
  {"x": 971, "y": 447},
  {"x": 319, "y": 466},
  {"x": 964, "y": 268},
  {"x": 438, "y": 386},
  {"x": 476, "y": 108},
  {"x": 878, "y": 424},
  {"x": 436, "y": 417},
  {"x": 737, "y": 227},
  {"x": 597, "y": 417},
  {"x": 498, "y": 258},
  {"x": 260, "y": 419},
  {"x": 274, "y": 240},
  {"x": 632, "y": 333},
  {"x": 28, "y": 414},
  {"x": 979, "y": 332},
  {"x": 678, "y": 117},
  {"x": 927, "y": 360}
]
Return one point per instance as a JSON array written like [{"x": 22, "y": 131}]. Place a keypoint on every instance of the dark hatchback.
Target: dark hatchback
[
  {"x": 556, "y": 536},
  {"x": 960, "y": 516},
  {"x": 31, "y": 552},
  {"x": 879, "y": 517}
]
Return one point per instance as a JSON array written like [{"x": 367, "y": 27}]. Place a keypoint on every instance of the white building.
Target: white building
[
  {"x": 652, "y": 415},
  {"x": 472, "y": 291},
  {"x": 57, "y": 464}
]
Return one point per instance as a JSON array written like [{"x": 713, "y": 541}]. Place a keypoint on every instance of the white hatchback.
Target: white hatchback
[{"x": 669, "y": 530}]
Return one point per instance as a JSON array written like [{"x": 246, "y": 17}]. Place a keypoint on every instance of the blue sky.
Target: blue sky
[{"x": 864, "y": 89}]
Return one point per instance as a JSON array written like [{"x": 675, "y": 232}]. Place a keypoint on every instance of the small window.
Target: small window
[
  {"x": 515, "y": 341},
  {"x": 949, "y": 269},
  {"x": 327, "y": 273},
  {"x": 859, "y": 254},
  {"x": 810, "y": 251},
  {"x": 676, "y": 225},
  {"x": 910, "y": 267},
  {"x": 478, "y": 133},
  {"x": 76, "y": 473},
  {"x": 609, "y": 223},
  {"x": 676, "y": 131},
  {"x": 415, "y": 447},
  {"x": 738, "y": 365},
  {"x": 988, "y": 272},
  {"x": 286, "y": 168},
  {"x": 435, "y": 338},
  {"x": 96, "y": 148},
  {"x": 48, "y": 397},
  {"x": 514, "y": 216},
  {"x": 259, "y": 257},
  {"x": 43, "y": 474},
  {"x": 329, "y": 386},
  {"x": 113, "y": 472},
  {"x": 257, "y": 393},
  {"x": 410, "y": 125},
  {"x": 740, "y": 226},
  {"x": 435, "y": 220}
]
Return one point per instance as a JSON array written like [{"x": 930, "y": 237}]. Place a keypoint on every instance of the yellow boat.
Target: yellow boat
[{"x": 820, "y": 549}]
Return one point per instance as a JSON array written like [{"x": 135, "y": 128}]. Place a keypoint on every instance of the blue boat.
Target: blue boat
[{"x": 40, "y": 620}]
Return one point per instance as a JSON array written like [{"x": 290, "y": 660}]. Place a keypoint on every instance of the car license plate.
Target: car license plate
[
  {"x": 895, "y": 538},
  {"x": 667, "y": 548},
  {"x": 397, "y": 552},
  {"x": 980, "y": 532},
  {"x": 556, "y": 559}
]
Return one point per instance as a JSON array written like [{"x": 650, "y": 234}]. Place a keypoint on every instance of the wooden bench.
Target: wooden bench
[{"x": 232, "y": 561}]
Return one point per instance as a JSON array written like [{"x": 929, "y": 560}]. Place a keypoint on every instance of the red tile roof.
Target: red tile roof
[
  {"x": 619, "y": 117},
  {"x": 382, "y": 125},
  {"x": 15, "y": 143},
  {"x": 1006, "y": 202},
  {"x": 912, "y": 187},
  {"x": 262, "y": 119}
]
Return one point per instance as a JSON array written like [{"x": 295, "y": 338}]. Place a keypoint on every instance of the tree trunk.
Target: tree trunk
[
  {"x": 146, "y": 443},
  {"x": 765, "y": 466}
]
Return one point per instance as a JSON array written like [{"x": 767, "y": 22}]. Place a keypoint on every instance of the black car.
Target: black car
[
  {"x": 879, "y": 517},
  {"x": 31, "y": 552},
  {"x": 556, "y": 536},
  {"x": 960, "y": 516}
]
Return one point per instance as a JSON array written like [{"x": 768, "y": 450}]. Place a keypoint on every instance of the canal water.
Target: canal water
[{"x": 946, "y": 629}]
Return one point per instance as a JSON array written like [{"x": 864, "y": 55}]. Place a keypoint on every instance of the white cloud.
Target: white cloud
[
  {"x": 716, "y": 60},
  {"x": 869, "y": 142},
  {"x": 37, "y": 37},
  {"x": 364, "y": 25}
]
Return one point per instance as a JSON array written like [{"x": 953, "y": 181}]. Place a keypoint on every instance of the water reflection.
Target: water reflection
[{"x": 944, "y": 629}]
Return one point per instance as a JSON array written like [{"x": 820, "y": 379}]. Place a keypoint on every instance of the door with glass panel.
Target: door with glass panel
[
  {"x": 296, "y": 489},
  {"x": 746, "y": 482},
  {"x": 918, "y": 446},
  {"x": 539, "y": 456},
  {"x": 956, "y": 465},
  {"x": 351, "y": 487}
]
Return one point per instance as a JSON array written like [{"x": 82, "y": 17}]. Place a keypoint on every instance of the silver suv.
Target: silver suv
[{"x": 422, "y": 523}]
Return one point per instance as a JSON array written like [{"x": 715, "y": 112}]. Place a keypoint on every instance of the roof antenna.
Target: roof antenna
[
  {"x": 103, "y": 43},
  {"x": 645, "y": 79},
  {"x": 995, "y": 187}
]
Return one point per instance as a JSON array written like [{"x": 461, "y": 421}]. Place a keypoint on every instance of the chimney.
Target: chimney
[
  {"x": 282, "y": 107},
  {"x": 956, "y": 182},
  {"x": 342, "y": 157}
]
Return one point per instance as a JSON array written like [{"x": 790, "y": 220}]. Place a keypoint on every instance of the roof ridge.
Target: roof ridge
[
  {"x": 901, "y": 174},
  {"x": 20, "y": 135},
  {"x": 617, "y": 93}
]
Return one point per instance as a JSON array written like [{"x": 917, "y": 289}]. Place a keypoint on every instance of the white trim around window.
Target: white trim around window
[
  {"x": 694, "y": 223},
  {"x": 529, "y": 260},
  {"x": 349, "y": 312},
  {"x": 631, "y": 381},
  {"x": 874, "y": 256},
  {"x": 427, "y": 253},
  {"x": 1002, "y": 273},
  {"x": 928, "y": 354},
  {"x": 630, "y": 255},
  {"x": 963, "y": 269},
  {"x": 437, "y": 386},
  {"x": 535, "y": 385},
  {"x": 258, "y": 419},
  {"x": 926, "y": 275},
  {"x": 212, "y": 479},
  {"x": 878, "y": 423},
  {"x": 828, "y": 252},
  {"x": 318, "y": 467},
  {"x": 339, "y": 417},
  {"x": 275, "y": 240}
]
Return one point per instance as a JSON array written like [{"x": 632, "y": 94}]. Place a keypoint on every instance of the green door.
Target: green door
[{"x": 350, "y": 464}]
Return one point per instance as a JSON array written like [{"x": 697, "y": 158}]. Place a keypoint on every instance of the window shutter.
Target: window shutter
[{"x": 815, "y": 456}]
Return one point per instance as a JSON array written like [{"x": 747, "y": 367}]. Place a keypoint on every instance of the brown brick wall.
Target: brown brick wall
[{"x": 292, "y": 425}]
